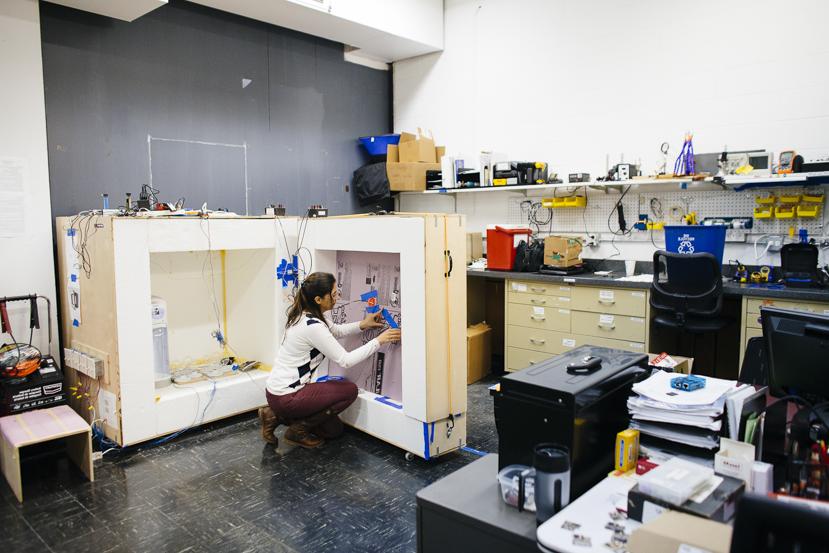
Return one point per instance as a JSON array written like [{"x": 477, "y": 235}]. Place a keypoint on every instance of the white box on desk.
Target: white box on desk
[{"x": 735, "y": 459}]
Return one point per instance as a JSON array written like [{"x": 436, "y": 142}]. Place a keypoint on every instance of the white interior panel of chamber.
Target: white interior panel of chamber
[
  {"x": 191, "y": 284},
  {"x": 356, "y": 274},
  {"x": 255, "y": 304}
]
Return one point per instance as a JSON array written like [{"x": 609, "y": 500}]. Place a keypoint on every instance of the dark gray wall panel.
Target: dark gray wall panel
[{"x": 177, "y": 73}]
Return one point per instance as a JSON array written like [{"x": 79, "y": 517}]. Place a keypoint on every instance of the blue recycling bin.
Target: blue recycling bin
[
  {"x": 696, "y": 239},
  {"x": 378, "y": 144}
]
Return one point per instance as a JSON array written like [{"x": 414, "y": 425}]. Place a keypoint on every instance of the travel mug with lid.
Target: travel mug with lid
[{"x": 552, "y": 479}]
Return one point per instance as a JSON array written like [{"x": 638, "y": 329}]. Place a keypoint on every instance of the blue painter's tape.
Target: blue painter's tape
[
  {"x": 426, "y": 441},
  {"x": 70, "y": 232},
  {"x": 373, "y": 309},
  {"x": 368, "y": 295},
  {"x": 441, "y": 191},
  {"x": 385, "y": 400},
  {"x": 432, "y": 436},
  {"x": 73, "y": 278},
  {"x": 474, "y": 451},
  {"x": 75, "y": 322},
  {"x": 389, "y": 318}
]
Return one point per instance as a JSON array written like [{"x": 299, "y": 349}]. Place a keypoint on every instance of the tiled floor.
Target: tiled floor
[{"x": 221, "y": 488}]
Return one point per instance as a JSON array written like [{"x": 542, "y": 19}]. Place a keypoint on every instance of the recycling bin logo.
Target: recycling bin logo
[{"x": 686, "y": 246}]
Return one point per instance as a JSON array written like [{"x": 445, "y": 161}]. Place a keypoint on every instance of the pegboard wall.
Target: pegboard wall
[{"x": 669, "y": 207}]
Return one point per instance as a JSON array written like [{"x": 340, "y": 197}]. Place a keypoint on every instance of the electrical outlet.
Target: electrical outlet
[
  {"x": 775, "y": 243},
  {"x": 592, "y": 241}
]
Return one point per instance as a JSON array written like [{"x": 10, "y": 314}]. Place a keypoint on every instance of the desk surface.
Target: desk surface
[
  {"x": 591, "y": 512},
  {"x": 474, "y": 492},
  {"x": 729, "y": 288}
]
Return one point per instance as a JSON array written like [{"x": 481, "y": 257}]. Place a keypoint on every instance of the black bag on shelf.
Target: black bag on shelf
[{"x": 371, "y": 184}]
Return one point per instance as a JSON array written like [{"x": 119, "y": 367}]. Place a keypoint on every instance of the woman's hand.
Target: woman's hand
[
  {"x": 372, "y": 320},
  {"x": 390, "y": 335}
]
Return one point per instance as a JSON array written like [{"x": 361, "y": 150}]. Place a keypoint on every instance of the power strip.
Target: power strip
[{"x": 83, "y": 363}]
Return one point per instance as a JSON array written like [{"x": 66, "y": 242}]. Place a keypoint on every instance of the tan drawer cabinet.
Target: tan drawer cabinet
[
  {"x": 539, "y": 300},
  {"x": 518, "y": 358},
  {"x": 605, "y": 325},
  {"x": 613, "y": 301},
  {"x": 752, "y": 327},
  {"x": 548, "y": 318},
  {"x": 543, "y": 288},
  {"x": 753, "y": 306},
  {"x": 535, "y": 339}
]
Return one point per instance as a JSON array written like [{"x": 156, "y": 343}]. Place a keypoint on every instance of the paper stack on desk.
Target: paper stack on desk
[{"x": 693, "y": 418}]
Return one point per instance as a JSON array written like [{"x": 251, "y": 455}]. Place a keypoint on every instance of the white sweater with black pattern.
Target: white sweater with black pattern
[{"x": 305, "y": 345}]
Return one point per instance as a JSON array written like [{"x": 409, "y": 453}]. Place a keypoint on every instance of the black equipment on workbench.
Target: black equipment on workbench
[
  {"x": 28, "y": 379},
  {"x": 317, "y": 210},
  {"x": 798, "y": 265},
  {"x": 574, "y": 403}
]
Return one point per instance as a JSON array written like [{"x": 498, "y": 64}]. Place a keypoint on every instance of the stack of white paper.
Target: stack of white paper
[{"x": 693, "y": 418}]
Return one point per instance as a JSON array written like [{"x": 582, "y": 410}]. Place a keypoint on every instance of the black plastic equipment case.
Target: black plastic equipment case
[
  {"x": 583, "y": 411},
  {"x": 42, "y": 388}
]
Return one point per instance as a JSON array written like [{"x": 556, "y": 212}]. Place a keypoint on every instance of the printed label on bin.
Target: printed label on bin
[
  {"x": 564, "y": 299},
  {"x": 637, "y": 294},
  {"x": 606, "y": 319},
  {"x": 538, "y": 310},
  {"x": 519, "y": 287},
  {"x": 570, "y": 280},
  {"x": 564, "y": 311},
  {"x": 606, "y": 295},
  {"x": 564, "y": 288},
  {"x": 568, "y": 342},
  {"x": 639, "y": 320}
]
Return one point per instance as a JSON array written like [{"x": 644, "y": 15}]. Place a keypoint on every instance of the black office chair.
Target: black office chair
[
  {"x": 687, "y": 294},
  {"x": 766, "y": 525}
]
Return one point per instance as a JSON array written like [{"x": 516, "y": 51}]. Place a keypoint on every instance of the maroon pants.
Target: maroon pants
[{"x": 313, "y": 398}]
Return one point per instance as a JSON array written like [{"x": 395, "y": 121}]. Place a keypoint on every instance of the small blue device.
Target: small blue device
[{"x": 688, "y": 383}]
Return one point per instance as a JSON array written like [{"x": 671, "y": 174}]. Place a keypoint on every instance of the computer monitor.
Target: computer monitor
[{"x": 797, "y": 348}]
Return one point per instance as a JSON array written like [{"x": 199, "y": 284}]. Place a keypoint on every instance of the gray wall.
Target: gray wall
[{"x": 177, "y": 73}]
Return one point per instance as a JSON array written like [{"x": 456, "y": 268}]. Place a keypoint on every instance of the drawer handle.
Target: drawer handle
[
  {"x": 533, "y": 300},
  {"x": 532, "y": 362},
  {"x": 540, "y": 290},
  {"x": 537, "y": 318},
  {"x": 607, "y": 302},
  {"x": 538, "y": 342},
  {"x": 606, "y": 327}
]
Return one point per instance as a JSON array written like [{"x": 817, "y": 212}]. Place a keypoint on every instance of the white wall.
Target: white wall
[
  {"x": 26, "y": 259},
  {"x": 573, "y": 82}
]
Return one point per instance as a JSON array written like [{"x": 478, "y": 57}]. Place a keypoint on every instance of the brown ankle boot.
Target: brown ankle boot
[
  {"x": 301, "y": 435},
  {"x": 269, "y": 422}
]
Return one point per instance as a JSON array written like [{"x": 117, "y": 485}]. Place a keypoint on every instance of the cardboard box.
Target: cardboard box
[
  {"x": 560, "y": 251},
  {"x": 417, "y": 148},
  {"x": 409, "y": 176},
  {"x": 719, "y": 505},
  {"x": 478, "y": 352},
  {"x": 680, "y": 365},
  {"x": 674, "y": 532},
  {"x": 474, "y": 246}
]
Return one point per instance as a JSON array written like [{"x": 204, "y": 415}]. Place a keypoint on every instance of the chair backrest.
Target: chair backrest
[
  {"x": 766, "y": 525},
  {"x": 686, "y": 284}
]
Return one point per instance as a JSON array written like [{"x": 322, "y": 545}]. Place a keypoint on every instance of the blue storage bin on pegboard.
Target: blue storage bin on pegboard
[
  {"x": 377, "y": 145},
  {"x": 696, "y": 239}
]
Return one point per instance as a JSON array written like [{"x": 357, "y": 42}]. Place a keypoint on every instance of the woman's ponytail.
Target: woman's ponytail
[{"x": 315, "y": 284}]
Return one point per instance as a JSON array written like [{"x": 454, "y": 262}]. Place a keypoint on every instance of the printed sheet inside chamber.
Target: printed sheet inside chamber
[{"x": 358, "y": 273}]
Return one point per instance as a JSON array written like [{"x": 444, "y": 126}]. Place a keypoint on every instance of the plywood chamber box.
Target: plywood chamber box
[{"x": 222, "y": 274}]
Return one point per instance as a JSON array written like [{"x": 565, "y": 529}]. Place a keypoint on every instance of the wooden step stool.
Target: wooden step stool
[{"x": 39, "y": 426}]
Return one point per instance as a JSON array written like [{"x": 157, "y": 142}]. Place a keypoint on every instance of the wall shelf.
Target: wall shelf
[{"x": 736, "y": 183}]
